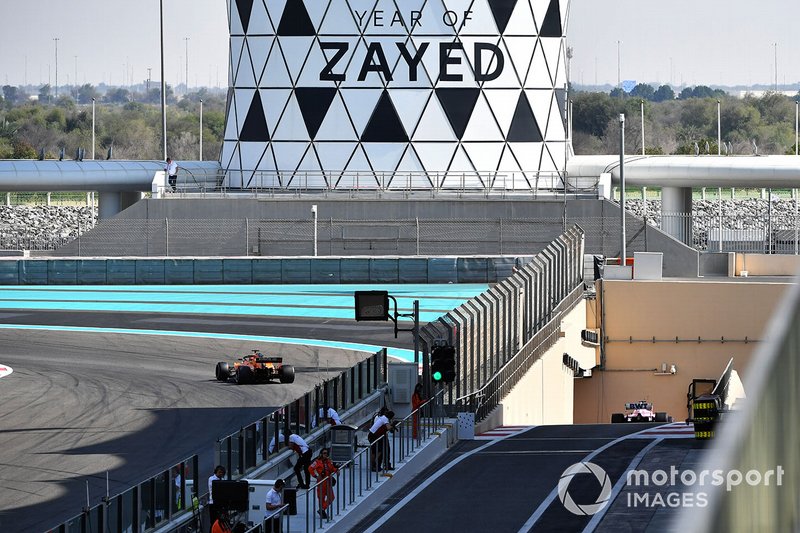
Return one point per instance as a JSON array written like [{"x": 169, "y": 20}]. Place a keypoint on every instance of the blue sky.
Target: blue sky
[{"x": 711, "y": 42}]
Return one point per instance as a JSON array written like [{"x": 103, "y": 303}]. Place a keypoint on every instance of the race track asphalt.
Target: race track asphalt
[{"x": 81, "y": 405}]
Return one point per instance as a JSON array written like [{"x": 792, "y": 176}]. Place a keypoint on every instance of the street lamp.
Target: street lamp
[
  {"x": 641, "y": 102},
  {"x": 201, "y": 129},
  {"x": 619, "y": 69},
  {"x": 163, "y": 85},
  {"x": 186, "y": 40},
  {"x": 622, "y": 185},
  {"x": 56, "y": 39}
]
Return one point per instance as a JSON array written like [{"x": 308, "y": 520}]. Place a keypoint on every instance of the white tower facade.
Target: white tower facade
[{"x": 340, "y": 94}]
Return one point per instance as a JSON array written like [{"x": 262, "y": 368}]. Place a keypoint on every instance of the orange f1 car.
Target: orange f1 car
[{"x": 255, "y": 368}]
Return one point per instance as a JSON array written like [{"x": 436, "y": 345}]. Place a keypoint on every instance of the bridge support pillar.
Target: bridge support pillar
[
  {"x": 111, "y": 203},
  {"x": 676, "y": 213}
]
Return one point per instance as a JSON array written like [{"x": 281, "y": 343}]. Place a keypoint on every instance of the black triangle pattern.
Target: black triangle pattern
[
  {"x": 254, "y": 128},
  {"x": 384, "y": 125},
  {"x": 245, "y": 8},
  {"x": 501, "y": 10},
  {"x": 551, "y": 27},
  {"x": 295, "y": 21},
  {"x": 524, "y": 127},
  {"x": 561, "y": 97},
  {"x": 314, "y": 103},
  {"x": 458, "y": 104}
]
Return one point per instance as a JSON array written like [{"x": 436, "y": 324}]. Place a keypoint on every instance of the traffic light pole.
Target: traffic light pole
[{"x": 414, "y": 330}]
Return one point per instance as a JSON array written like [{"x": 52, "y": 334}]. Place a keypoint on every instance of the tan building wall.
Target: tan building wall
[
  {"x": 631, "y": 314},
  {"x": 545, "y": 394}
]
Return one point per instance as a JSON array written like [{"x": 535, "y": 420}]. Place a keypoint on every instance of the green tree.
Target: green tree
[
  {"x": 663, "y": 94},
  {"x": 592, "y": 112},
  {"x": 643, "y": 91},
  {"x": 23, "y": 150},
  {"x": 86, "y": 93}
]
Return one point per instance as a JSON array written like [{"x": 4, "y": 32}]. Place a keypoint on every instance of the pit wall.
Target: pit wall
[{"x": 728, "y": 318}]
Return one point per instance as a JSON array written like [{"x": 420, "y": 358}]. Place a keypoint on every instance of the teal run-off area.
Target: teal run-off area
[{"x": 304, "y": 301}]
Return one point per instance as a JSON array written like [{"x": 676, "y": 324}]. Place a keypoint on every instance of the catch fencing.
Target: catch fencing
[{"x": 515, "y": 314}]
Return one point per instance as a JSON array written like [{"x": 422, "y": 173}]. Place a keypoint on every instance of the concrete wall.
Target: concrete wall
[
  {"x": 545, "y": 394},
  {"x": 766, "y": 265},
  {"x": 633, "y": 313},
  {"x": 343, "y": 207}
]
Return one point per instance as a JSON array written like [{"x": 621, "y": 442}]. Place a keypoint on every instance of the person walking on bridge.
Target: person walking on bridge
[{"x": 172, "y": 173}]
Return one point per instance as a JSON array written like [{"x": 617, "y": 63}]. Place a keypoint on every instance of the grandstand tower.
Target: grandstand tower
[{"x": 412, "y": 94}]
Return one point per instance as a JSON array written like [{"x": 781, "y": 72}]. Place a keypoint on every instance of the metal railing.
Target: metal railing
[
  {"x": 304, "y": 182},
  {"x": 358, "y": 476},
  {"x": 169, "y": 495},
  {"x": 762, "y": 437},
  {"x": 491, "y": 329},
  {"x": 256, "y": 444}
]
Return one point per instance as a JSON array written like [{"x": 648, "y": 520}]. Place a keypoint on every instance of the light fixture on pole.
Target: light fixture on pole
[
  {"x": 314, "y": 215},
  {"x": 201, "y": 129},
  {"x": 93, "y": 130},
  {"x": 641, "y": 102},
  {"x": 622, "y": 253},
  {"x": 719, "y": 129},
  {"x": 56, "y": 39},
  {"x": 186, "y": 40},
  {"x": 163, "y": 85},
  {"x": 775, "y": 46}
]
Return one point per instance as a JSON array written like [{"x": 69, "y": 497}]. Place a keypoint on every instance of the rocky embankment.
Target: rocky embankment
[{"x": 41, "y": 227}]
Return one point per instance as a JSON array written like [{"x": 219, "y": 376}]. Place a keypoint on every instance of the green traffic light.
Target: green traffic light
[{"x": 437, "y": 376}]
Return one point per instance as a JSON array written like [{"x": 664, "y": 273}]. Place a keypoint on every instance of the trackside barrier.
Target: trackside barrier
[
  {"x": 512, "y": 317},
  {"x": 756, "y": 448},
  {"x": 254, "y": 445},
  {"x": 170, "y": 495}
]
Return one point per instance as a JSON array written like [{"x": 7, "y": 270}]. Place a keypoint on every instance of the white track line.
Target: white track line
[{"x": 413, "y": 494}]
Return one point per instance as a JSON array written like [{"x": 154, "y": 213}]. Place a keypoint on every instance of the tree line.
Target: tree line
[
  {"x": 129, "y": 121},
  {"x": 126, "y": 121},
  {"x": 683, "y": 124}
]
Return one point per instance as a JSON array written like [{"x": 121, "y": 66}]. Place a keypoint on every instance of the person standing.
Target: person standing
[
  {"x": 417, "y": 399},
  {"x": 218, "y": 475},
  {"x": 272, "y": 519},
  {"x": 323, "y": 470},
  {"x": 172, "y": 173},
  {"x": 380, "y": 450},
  {"x": 299, "y": 446}
]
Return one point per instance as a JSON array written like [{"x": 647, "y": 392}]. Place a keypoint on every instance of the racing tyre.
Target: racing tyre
[
  {"x": 661, "y": 417},
  {"x": 244, "y": 375},
  {"x": 286, "y": 374},
  {"x": 617, "y": 418},
  {"x": 223, "y": 372}
]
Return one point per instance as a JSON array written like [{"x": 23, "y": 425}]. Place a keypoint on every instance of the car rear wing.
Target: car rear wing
[{"x": 639, "y": 405}]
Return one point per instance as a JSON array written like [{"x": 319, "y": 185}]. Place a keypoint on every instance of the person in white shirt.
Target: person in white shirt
[
  {"x": 272, "y": 505},
  {"x": 218, "y": 475},
  {"x": 332, "y": 417},
  {"x": 172, "y": 173},
  {"x": 299, "y": 446},
  {"x": 380, "y": 453}
]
